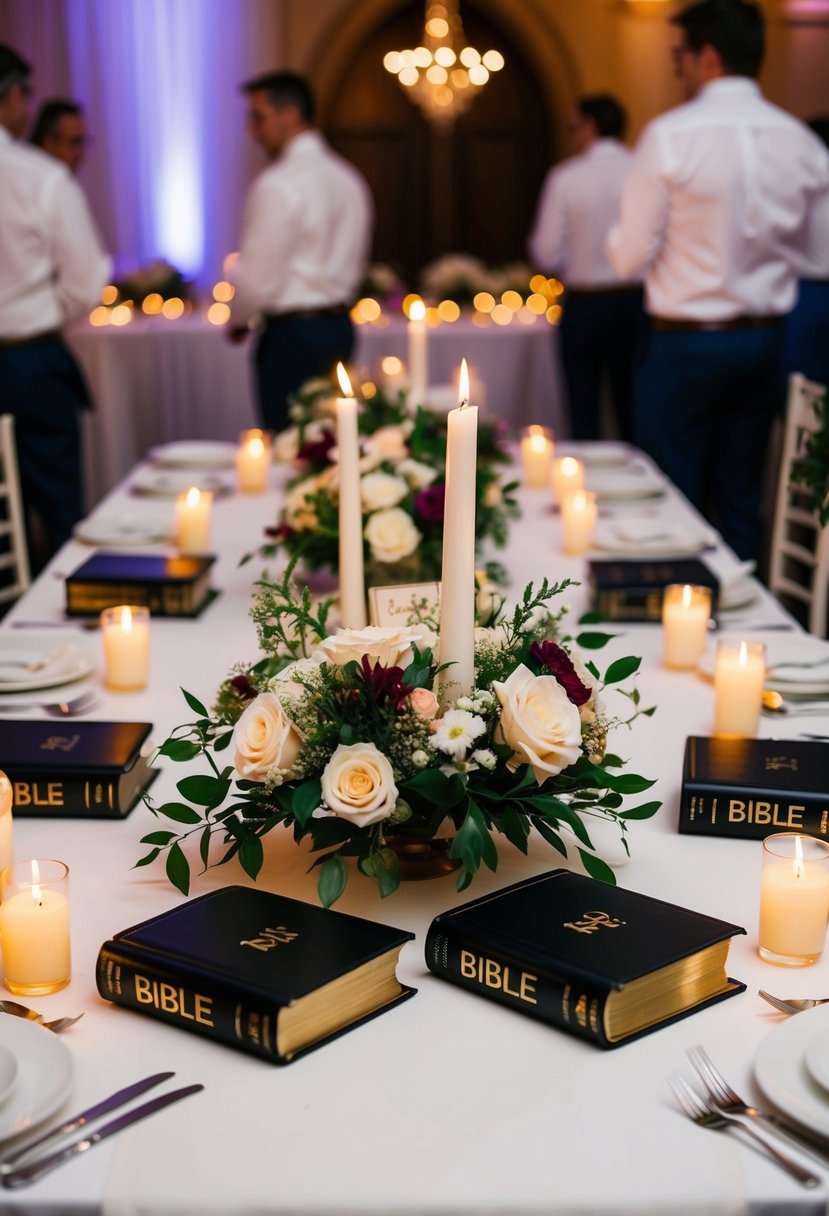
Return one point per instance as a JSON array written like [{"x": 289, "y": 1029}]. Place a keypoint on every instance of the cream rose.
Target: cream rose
[
  {"x": 358, "y": 784},
  {"x": 424, "y": 702},
  {"x": 286, "y": 445},
  {"x": 539, "y": 723},
  {"x": 391, "y": 535},
  {"x": 380, "y": 490},
  {"x": 387, "y": 443},
  {"x": 418, "y": 474},
  {"x": 264, "y": 739},
  {"x": 299, "y": 511},
  {"x": 387, "y": 645}
]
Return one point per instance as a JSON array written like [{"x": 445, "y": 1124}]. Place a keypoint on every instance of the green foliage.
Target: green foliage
[{"x": 811, "y": 469}]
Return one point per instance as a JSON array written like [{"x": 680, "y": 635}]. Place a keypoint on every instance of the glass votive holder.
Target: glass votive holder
[
  {"x": 6, "y": 823},
  {"x": 193, "y": 511},
  {"x": 125, "y": 633},
  {"x": 537, "y": 450},
  {"x": 34, "y": 927},
  {"x": 253, "y": 460},
  {"x": 686, "y": 614},
  {"x": 739, "y": 674},
  {"x": 579, "y": 514},
  {"x": 794, "y": 899},
  {"x": 566, "y": 475}
]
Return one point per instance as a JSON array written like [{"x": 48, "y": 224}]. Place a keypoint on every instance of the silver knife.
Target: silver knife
[
  {"x": 86, "y": 1116},
  {"x": 26, "y": 1174}
]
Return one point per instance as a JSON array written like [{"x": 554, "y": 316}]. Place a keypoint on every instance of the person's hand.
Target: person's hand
[{"x": 237, "y": 333}]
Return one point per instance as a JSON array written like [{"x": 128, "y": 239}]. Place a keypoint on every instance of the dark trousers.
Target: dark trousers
[
  {"x": 807, "y": 332},
  {"x": 291, "y": 351},
  {"x": 705, "y": 403},
  {"x": 600, "y": 335},
  {"x": 42, "y": 385}
]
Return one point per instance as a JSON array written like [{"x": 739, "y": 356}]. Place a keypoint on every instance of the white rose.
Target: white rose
[
  {"x": 387, "y": 443},
  {"x": 358, "y": 784},
  {"x": 493, "y": 497},
  {"x": 418, "y": 474},
  {"x": 391, "y": 535},
  {"x": 286, "y": 445},
  {"x": 390, "y": 646},
  {"x": 299, "y": 512},
  {"x": 379, "y": 490},
  {"x": 539, "y": 722},
  {"x": 265, "y": 739}
]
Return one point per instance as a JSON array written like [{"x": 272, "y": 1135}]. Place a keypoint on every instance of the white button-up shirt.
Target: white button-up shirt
[
  {"x": 578, "y": 205},
  {"x": 715, "y": 209},
  {"x": 52, "y": 263},
  {"x": 306, "y": 233}
]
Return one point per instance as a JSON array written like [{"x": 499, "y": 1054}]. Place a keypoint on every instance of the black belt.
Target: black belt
[
  {"x": 50, "y": 336},
  {"x": 616, "y": 289},
  {"x": 665, "y": 325},
  {"x": 307, "y": 314}
]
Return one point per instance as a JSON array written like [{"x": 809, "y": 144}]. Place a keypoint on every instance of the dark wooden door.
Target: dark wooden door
[{"x": 473, "y": 190}]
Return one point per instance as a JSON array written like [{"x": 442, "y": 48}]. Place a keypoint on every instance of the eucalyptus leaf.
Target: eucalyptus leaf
[
  {"x": 194, "y": 704},
  {"x": 178, "y": 869},
  {"x": 597, "y": 868},
  {"x": 160, "y": 838},
  {"x": 621, "y": 669},
  {"x": 179, "y": 812},
  {"x": 331, "y": 880},
  {"x": 179, "y": 749},
  {"x": 203, "y": 789},
  {"x": 594, "y": 640},
  {"x": 251, "y": 854},
  {"x": 646, "y": 811},
  {"x": 150, "y": 857}
]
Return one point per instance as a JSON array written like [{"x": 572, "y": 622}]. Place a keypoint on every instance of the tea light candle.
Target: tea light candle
[
  {"x": 686, "y": 612},
  {"x": 252, "y": 462},
  {"x": 34, "y": 927},
  {"x": 418, "y": 353},
  {"x": 193, "y": 509},
  {"x": 794, "y": 899},
  {"x": 6, "y": 827},
  {"x": 352, "y": 576},
  {"x": 125, "y": 631},
  {"x": 537, "y": 450},
  {"x": 578, "y": 520},
  {"x": 567, "y": 476},
  {"x": 738, "y": 686},
  {"x": 457, "y": 596}
]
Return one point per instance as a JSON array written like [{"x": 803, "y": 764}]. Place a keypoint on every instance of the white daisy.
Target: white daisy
[{"x": 456, "y": 731}]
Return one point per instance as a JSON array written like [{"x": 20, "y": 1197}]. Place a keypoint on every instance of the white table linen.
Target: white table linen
[{"x": 449, "y": 1104}]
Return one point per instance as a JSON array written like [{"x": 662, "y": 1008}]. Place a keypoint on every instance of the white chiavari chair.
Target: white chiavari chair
[{"x": 14, "y": 559}]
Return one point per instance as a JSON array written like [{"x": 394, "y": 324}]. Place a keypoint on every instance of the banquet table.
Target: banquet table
[
  {"x": 156, "y": 380},
  {"x": 448, "y": 1104}
]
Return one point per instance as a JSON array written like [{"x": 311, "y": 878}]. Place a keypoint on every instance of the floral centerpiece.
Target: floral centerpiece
[
  {"x": 403, "y": 458},
  {"x": 460, "y": 276},
  {"x": 340, "y": 738},
  {"x": 159, "y": 277}
]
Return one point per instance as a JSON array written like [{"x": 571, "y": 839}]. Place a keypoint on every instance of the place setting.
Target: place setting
[{"x": 44, "y": 659}]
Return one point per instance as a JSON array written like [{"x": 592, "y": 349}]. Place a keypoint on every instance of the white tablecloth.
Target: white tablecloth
[
  {"x": 154, "y": 381},
  {"x": 449, "y": 1104}
]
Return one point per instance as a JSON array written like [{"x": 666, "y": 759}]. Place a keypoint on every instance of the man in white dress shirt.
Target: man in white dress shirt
[
  {"x": 603, "y": 320},
  {"x": 52, "y": 269},
  {"x": 304, "y": 248},
  {"x": 715, "y": 211}
]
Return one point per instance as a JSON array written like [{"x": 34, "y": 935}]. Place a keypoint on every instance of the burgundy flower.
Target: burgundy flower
[
  {"x": 385, "y": 683},
  {"x": 318, "y": 451},
  {"x": 429, "y": 503},
  {"x": 282, "y": 532},
  {"x": 244, "y": 687},
  {"x": 559, "y": 664}
]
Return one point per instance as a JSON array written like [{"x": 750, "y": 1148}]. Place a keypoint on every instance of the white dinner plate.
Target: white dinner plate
[
  {"x": 194, "y": 454},
  {"x": 150, "y": 481},
  {"x": 45, "y": 1071},
  {"x": 817, "y": 1058},
  {"x": 803, "y": 681},
  {"x": 8, "y": 1072},
  {"x": 781, "y": 1072},
  {"x": 123, "y": 531},
  {"x": 650, "y": 540},
  {"x": 633, "y": 482},
  {"x": 603, "y": 452},
  {"x": 65, "y": 656}
]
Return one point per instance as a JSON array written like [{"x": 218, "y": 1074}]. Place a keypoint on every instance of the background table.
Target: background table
[
  {"x": 450, "y": 1104},
  {"x": 154, "y": 381}
]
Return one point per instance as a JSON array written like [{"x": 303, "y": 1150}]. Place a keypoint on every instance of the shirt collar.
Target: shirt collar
[
  {"x": 307, "y": 142},
  {"x": 5, "y": 136},
  {"x": 604, "y": 144},
  {"x": 729, "y": 86}
]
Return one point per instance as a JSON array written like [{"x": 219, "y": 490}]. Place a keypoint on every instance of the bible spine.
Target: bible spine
[
  {"x": 751, "y": 814},
  {"x": 61, "y": 794}
]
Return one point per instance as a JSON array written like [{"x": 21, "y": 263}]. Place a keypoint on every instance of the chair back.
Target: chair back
[
  {"x": 799, "y": 558},
  {"x": 14, "y": 558}
]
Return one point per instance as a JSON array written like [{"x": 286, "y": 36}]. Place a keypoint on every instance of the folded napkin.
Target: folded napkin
[{"x": 651, "y": 530}]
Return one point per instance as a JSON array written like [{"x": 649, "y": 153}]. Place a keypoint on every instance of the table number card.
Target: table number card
[{"x": 394, "y": 605}]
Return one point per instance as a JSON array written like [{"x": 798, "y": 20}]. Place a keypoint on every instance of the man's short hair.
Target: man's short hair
[
  {"x": 605, "y": 111},
  {"x": 734, "y": 28},
  {"x": 49, "y": 116},
  {"x": 284, "y": 89},
  {"x": 13, "y": 69}
]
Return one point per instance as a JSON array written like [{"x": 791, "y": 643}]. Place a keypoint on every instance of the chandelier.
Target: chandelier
[{"x": 443, "y": 75}]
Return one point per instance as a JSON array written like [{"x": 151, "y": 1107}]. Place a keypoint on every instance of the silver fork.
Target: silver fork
[
  {"x": 23, "y": 1011},
  {"x": 56, "y": 709},
  {"x": 791, "y": 1006},
  {"x": 706, "y": 1116}
]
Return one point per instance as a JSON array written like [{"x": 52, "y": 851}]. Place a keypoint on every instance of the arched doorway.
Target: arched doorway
[{"x": 473, "y": 190}]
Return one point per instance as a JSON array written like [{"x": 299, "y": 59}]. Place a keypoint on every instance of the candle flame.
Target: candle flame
[
  {"x": 569, "y": 466},
  {"x": 463, "y": 384},
  {"x": 578, "y": 502},
  {"x": 797, "y": 861},
  {"x": 256, "y": 447},
  {"x": 538, "y": 443},
  {"x": 742, "y": 658},
  {"x": 417, "y": 310},
  {"x": 126, "y": 619},
  {"x": 37, "y": 895},
  {"x": 193, "y": 496},
  {"x": 345, "y": 383},
  {"x": 686, "y": 595}
]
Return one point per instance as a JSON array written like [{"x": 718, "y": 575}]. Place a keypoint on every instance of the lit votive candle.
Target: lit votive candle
[
  {"x": 537, "y": 449},
  {"x": 686, "y": 612},
  {"x": 193, "y": 509},
  {"x": 794, "y": 899},
  {"x": 567, "y": 475},
  {"x": 578, "y": 520},
  {"x": 738, "y": 686},
  {"x": 125, "y": 631},
  {"x": 34, "y": 927},
  {"x": 6, "y": 830},
  {"x": 252, "y": 462}
]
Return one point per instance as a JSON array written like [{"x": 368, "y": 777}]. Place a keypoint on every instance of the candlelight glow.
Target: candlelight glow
[
  {"x": 193, "y": 496},
  {"x": 417, "y": 311},
  {"x": 256, "y": 447},
  {"x": 126, "y": 619},
  {"x": 37, "y": 895},
  {"x": 742, "y": 659},
  {"x": 797, "y": 860},
  {"x": 345, "y": 383},
  {"x": 686, "y": 596},
  {"x": 463, "y": 384},
  {"x": 391, "y": 365}
]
